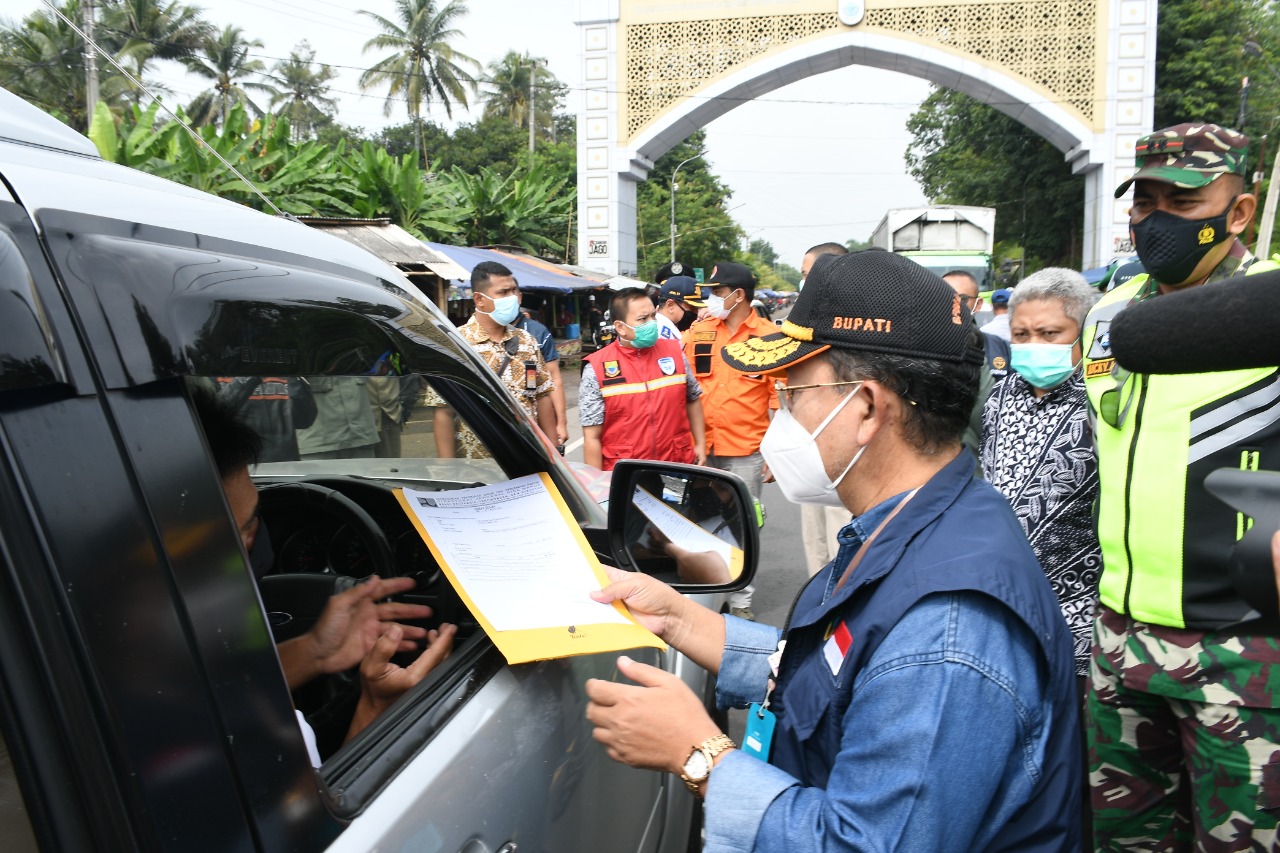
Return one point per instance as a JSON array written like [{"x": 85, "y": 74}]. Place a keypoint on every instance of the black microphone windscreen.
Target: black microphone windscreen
[{"x": 1232, "y": 325}]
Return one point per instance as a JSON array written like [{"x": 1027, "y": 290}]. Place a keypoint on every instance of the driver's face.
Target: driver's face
[{"x": 242, "y": 495}]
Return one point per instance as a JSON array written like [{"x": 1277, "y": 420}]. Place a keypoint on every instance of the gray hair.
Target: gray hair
[{"x": 1067, "y": 286}]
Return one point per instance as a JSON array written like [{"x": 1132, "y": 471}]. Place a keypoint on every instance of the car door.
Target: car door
[{"x": 483, "y": 754}]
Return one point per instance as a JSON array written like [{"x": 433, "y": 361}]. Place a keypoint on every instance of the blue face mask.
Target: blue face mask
[
  {"x": 505, "y": 310},
  {"x": 1045, "y": 366}
]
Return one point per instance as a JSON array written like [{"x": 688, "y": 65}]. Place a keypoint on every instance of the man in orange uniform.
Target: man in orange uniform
[
  {"x": 637, "y": 398},
  {"x": 737, "y": 404}
]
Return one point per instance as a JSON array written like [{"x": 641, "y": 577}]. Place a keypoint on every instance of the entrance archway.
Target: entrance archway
[{"x": 1078, "y": 72}]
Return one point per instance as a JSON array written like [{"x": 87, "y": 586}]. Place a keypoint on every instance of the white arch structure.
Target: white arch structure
[{"x": 609, "y": 170}]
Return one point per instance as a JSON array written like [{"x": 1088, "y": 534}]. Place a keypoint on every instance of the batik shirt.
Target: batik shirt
[
  {"x": 1038, "y": 452},
  {"x": 494, "y": 353}
]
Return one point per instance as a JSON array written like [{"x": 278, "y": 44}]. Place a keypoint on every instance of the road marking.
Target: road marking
[{"x": 572, "y": 446}]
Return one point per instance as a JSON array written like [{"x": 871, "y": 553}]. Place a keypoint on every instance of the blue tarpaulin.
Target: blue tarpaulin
[{"x": 531, "y": 276}]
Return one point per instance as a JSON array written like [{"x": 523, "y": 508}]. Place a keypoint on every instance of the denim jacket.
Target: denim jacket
[{"x": 951, "y": 722}]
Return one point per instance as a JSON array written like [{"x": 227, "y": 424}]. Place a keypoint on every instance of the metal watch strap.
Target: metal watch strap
[{"x": 711, "y": 747}]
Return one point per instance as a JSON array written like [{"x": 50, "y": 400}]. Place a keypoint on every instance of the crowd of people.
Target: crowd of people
[
  {"x": 1019, "y": 630},
  {"x": 1037, "y": 645}
]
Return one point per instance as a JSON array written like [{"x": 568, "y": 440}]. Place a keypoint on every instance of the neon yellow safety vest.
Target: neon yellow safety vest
[{"x": 1166, "y": 542}]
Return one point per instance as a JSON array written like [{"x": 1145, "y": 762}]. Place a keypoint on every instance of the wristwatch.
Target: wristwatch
[{"x": 697, "y": 767}]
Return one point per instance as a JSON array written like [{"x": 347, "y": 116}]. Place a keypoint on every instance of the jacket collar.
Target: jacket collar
[{"x": 933, "y": 499}]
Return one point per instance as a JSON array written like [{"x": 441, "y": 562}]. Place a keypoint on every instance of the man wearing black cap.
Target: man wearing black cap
[
  {"x": 678, "y": 305},
  {"x": 737, "y": 405},
  {"x": 1185, "y": 704},
  {"x": 924, "y": 697}
]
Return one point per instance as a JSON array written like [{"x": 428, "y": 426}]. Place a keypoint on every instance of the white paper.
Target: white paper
[
  {"x": 512, "y": 551},
  {"x": 680, "y": 530}
]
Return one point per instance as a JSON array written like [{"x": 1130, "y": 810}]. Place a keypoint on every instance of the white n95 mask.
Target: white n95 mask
[{"x": 792, "y": 455}]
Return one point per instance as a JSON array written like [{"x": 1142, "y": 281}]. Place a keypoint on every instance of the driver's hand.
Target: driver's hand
[
  {"x": 383, "y": 682},
  {"x": 347, "y": 629}
]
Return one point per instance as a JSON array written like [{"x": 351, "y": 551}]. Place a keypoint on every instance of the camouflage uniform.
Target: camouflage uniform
[{"x": 1184, "y": 717}]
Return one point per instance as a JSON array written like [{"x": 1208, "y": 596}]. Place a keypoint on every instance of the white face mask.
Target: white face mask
[
  {"x": 716, "y": 309},
  {"x": 792, "y": 455}
]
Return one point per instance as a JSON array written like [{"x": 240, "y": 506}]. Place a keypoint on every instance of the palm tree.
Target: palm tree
[
  {"x": 509, "y": 96},
  {"x": 224, "y": 59},
  {"x": 42, "y": 61},
  {"x": 302, "y": 89},
  {"x": 424, "y": 67},
  {"x": 145, "y": 30}
]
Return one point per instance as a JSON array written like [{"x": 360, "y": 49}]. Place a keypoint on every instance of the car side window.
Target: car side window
[{"x": 319, "y": 514}]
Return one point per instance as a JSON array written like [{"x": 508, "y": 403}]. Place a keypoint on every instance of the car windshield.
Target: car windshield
[{"x": 393, "y": 428}]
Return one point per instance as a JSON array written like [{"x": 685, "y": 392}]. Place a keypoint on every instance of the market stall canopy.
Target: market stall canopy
[
  {"x": 390, "y": 242},
  {"x": 532, "y": 273}
]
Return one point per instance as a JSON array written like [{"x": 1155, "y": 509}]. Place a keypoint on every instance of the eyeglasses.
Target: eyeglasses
[
  {"x": 1114, "y": 404},
  {"x": 970, "y": 301},
  {"x": 785, "y": 391}
]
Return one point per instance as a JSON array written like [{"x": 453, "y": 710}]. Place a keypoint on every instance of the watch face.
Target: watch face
[{"x": 697, "y": 767}]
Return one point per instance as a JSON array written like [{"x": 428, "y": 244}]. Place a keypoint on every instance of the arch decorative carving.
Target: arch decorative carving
[{"x": 1079, "y": 72}]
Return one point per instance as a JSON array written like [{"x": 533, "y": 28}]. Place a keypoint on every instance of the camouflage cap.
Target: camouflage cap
[{"x": 1188, "y": 156}]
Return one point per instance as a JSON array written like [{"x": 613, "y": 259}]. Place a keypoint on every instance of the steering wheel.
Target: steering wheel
[{"x": 294, "y": 601}]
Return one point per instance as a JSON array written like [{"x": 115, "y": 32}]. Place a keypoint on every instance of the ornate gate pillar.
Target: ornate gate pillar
[{"x": 1078, "y": 72}]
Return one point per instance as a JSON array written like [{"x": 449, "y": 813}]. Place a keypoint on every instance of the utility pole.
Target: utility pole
[
  {"x": 1244, "y": 102},
  {"x": 1263, "y": 248},
  {"x": 674, "y": 186},
  {"x": 532, "y": 113},
  {"x": 90, "y": 66}
]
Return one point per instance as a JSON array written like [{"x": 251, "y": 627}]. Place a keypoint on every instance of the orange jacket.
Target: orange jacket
[{"x": 736, "y": 404}]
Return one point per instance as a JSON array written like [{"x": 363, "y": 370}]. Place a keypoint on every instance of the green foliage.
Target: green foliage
[
  {"x": 857, "y": 245},
  {"x": 1200, "y": 60},
  {"x": 706, "y": 232},
  {"x": 302, "y": 179},
  {"x": 965, "y": 152},
  {"x": 763, "y": 250},
  {"x": 527, "y": 208},
  {"x": 302, "y": 90},
  {"x": 396, "y": 188},
  {"x": 508, "y": 95},
  {"x": 224, "y": 61}
]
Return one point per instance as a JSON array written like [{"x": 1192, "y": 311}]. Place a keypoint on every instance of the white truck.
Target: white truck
[{"x": 942, "y": 237}]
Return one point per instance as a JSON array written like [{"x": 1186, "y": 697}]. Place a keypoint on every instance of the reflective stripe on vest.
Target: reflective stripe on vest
[
  {"x": 645, "y": 413},
  {"x": 1166, "y": 542}
]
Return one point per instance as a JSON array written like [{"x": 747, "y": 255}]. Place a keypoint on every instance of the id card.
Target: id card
[{"x": 758, "y": 738}]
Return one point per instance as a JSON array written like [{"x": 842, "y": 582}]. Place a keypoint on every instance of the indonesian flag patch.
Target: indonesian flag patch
[{"x": 836, "y": 647}]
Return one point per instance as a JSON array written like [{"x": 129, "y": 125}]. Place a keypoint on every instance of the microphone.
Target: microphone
[{"x": 1222, "y": 326}]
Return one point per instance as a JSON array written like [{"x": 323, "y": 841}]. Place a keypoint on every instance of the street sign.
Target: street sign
[{"x": 697, "y": 273}]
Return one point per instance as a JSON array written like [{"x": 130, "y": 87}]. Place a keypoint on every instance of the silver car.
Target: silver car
[{"x": 142, "y": 703}]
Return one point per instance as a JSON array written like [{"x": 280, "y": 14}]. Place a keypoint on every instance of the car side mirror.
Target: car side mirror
[{"x": 694, "y": 528}]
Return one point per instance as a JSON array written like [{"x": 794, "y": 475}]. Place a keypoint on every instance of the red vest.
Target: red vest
[{"x": 644, "y": 403}]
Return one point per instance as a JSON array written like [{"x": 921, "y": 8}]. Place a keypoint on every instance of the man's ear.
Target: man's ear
[
  {"x": 1242, "y": 214},
  {"x": 873, "y": 401}
]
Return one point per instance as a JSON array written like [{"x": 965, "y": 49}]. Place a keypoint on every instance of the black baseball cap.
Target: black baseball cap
[
  {"x": 872, "y": 301},
  {"x": 681, "y": 288},
  {"x": 730, "y": 274},
  {"x": 674, "y": 268}
]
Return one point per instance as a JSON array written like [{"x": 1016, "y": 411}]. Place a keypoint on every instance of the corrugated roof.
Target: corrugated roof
[{"x": 389, "y": 242}]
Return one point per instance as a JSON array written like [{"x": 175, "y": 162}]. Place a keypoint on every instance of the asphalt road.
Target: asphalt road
[{"x": 780, "y": 569}]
